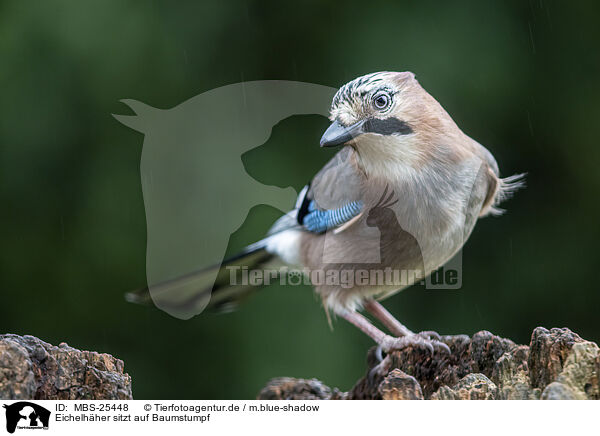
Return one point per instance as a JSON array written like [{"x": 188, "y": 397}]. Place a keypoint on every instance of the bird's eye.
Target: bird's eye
[{"x": 382, "y": 101}]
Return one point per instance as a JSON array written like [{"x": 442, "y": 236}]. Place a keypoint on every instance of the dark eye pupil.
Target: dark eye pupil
[{"x": 381, "y": 101}]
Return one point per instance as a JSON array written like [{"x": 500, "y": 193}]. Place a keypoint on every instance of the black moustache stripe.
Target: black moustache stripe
[{"x": 387, "y": 126}]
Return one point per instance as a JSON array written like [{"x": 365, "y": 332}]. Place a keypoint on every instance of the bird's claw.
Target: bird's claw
[
  {"x": 379, "y": 353},
  {"x": 416, "y": 340},
  {"x": 430, "y": 334},
  {"x": 442, "y": 347}
]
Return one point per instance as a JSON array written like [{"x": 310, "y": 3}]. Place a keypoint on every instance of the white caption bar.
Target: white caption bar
[{"x": 296, "y": 417}]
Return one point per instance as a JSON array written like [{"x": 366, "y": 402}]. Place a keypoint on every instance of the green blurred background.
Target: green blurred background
[{"x": 520, "y": 77}]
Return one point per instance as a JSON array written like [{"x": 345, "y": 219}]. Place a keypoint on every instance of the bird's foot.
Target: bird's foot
[{"x": 429, "y": 341}]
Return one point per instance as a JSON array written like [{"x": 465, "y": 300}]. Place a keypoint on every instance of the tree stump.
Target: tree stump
[
  {"x": 557, "y": 364},
  {"x": 33, "y": 369}
]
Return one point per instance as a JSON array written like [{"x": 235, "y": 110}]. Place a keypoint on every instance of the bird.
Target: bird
[{"x": 395, "y": 203}]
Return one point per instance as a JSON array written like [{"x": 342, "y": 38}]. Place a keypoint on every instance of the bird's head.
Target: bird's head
[{"x": 388, "y": 118}]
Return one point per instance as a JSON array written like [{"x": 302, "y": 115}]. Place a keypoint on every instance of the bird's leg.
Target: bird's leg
[
  {"x": 388, "y": 342},
  {"x": 363, "y": 324},
  {"x": 393, "y": 325}
]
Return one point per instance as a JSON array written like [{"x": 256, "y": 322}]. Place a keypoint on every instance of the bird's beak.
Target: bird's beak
[{"x": 336, "y": 134}]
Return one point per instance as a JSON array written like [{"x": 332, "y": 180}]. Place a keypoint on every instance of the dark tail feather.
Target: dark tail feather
[{"x": 185, "y": 294}]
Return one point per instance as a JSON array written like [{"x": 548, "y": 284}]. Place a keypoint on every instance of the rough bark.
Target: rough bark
[
  {"x": 557, "y": 364},
  {"x": 33, "y": 369}
]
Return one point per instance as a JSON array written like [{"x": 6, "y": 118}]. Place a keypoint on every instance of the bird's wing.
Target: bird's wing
[{"x": 334, "y": 194}]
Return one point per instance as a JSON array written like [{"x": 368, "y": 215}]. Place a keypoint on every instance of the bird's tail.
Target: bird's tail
[{"x": 199, "y": 290}]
